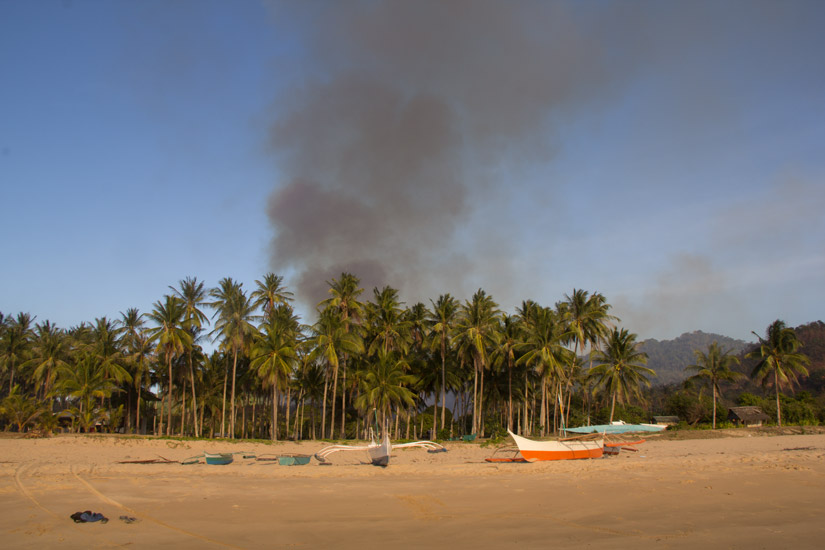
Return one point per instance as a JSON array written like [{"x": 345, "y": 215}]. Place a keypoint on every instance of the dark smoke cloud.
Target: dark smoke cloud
[
  {"x": 391, "y": 146},
  {"x": 410, "y": 116}
]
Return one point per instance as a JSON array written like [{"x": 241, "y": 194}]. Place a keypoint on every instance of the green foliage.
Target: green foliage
[
  {"x": 631, "y": 414},
  {"x": 20, "y": 410},
  {"x": 443, "y": 434},
  {"x": 495, "y": 431},
  {"x": 747, "y": 399},
  {"x": 689, "y": 406},
  {"x": 801, "y": 410}
]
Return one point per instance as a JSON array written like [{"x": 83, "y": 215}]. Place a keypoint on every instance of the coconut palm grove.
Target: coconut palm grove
[{"x": 443, "y": 369}]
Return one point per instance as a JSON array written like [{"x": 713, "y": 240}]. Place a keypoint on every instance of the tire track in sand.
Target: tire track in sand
[
  {"x": 18, "y": 479},
  {"x": 143, "y": 515}
]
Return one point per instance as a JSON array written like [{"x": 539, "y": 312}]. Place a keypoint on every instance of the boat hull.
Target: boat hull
[
  {"x": 218, "y": 459},
  {"x": 380, "y": 454},
  {"x": 617, "y": 428},
  {"x": 295, "y": 460},
  {"x": 535, "y": 451}
]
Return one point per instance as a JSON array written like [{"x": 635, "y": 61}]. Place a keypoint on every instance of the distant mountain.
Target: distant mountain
[
  {"x": 670, "y": 357},
  {"x": 812, "y": 336}
]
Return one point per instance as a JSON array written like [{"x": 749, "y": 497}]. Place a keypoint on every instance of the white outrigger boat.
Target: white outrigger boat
[
  {"x": 563, "y": 449},
  {"x": 379, "y": 453}
]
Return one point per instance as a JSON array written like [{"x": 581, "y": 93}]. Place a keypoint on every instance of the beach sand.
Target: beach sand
[{"x": 740, "y": 491}]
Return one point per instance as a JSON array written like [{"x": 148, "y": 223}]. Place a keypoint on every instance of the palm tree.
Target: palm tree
[
  {"x": 477, "y": 331},
  {"x": 107, "y": 350},
  {"x": 392, "y": 330},
  {"x": 715, "y": 367},
  {"x": 20, "y": 409},
  {"x": 172, "y": 339},
  {"x": 311, "y": 386},
  {"x": 543, "y": 336},
  {"x": 587, "y": 318},
  {"x": 778, "y": 356},
  {"x": 50, "y": 351},
  {"x": 384, "y": 385},
  {"x": 274, "y": 356},
  {"x": 331, "y": 341},
  {"x": 86, "y": 381},
  {"x": 193, "y": 294},
  {"x": 443, "y": 318},
  {"x": 621, "y": 371},
  {"x": 344, "y": 298},
  {"x": 270, "y": 293},
  {"x": 506, "y": 353},
  {"x": 235, "y": 312},
  {"x": 15, "y": 342}
]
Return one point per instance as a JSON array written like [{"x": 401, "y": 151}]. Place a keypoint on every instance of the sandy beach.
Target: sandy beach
[{"x": 744, "y": 490}]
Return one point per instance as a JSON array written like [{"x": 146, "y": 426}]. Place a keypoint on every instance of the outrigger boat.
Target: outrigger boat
[
  {"x": 379, "y": 453},
  {"x": 617, "y": 427},
  {"x": 563, "y": 449}
]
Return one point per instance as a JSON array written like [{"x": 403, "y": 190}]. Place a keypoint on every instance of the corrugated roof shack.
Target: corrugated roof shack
[{"x": 749, "y": 417}]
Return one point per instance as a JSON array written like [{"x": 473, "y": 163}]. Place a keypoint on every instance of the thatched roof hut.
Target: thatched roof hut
[{"x": 747, "y": 416}]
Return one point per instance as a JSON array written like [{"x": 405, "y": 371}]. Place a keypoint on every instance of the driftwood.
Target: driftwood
[{"x": 161, "y": 460}]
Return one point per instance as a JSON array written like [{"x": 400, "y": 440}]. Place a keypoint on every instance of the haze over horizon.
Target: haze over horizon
[{"x": 668, "y": 155}]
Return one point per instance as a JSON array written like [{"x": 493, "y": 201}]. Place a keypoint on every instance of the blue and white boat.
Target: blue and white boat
[
  {"x": 618, "y": 427},
  {"x": 219, "y": 459}
]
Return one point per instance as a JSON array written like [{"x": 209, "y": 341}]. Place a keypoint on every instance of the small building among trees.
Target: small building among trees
[{"x": 749, "y": 417}]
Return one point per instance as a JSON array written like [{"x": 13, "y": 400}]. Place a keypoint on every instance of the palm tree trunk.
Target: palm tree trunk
[
  {"x": 254, "y": 409},
  {"x": 223, "y": 402},
  {"x": 232, "y": 398},
  {"x": 613, "y": 406},
  {"x": 509, "y": 393},
  {"x": 714, "y": 405},
  {"x": 275, "y": 413},
  {"x": 288, "y": 406},
  {"x": 526, "y": 419},
  {"x": 182, "y": 408},
  {"x": 443, "y": 381},
  {"x": 323, "y": 411},
  {"x": 332, "y": 409},
  {"x": 159, "y": 418},
  {"x": 344, "y": 398},
  {"x": 137, "y": 413},
  {"x": 169, "y": 412},
  {"x": 481, "y": 404},
  {"x": 475, "y": 395},
  {"x": 776, "y": 386},
  {"x": 194, "y": 400},
  {"x": 543, "y": 410},
  {"x": 242, "y": 403}
]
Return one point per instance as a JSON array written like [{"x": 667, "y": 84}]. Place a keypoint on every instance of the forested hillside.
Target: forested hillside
[
  {"x": 670, "y": 357},
  {"x": 812, "y": 337}
]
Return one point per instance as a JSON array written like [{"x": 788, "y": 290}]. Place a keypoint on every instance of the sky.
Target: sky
[{"x": 669, "y": 155}]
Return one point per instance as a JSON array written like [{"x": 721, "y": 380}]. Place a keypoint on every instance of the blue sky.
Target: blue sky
[{"x": 669, "y": 155}]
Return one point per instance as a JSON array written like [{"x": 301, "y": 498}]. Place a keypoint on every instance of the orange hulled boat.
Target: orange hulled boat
[{"x": 534, "y": 451}]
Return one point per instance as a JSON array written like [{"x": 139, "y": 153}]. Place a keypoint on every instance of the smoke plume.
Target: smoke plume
[{"x": 391, "y": 147}]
